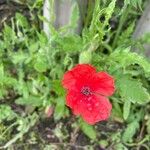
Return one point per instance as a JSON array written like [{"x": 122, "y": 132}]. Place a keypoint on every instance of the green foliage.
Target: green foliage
[
  {"x": 123, "y": 58},
  {"x": 88, "y": 130},
  {"x": 56, "y": 85},
  {"x": 32, "y": 67},
  {"x": 126, "y": 109},
  {"x": 6, "y": 82},
  {"x": 6, "y": 113},
  {"x": 31, "y": 100},
  {"x": 117, "y": 112},
  {"x": 120, "y": 146},
  {"x": 68, "y": 43},
  {"x": 40, "y": 64},
  {"x": 93, "y": 36},
  {"x": 108, "y": 12},
  {"x": 135, "y": 3},
  {"x": 126, "y": 36},
  {"x": 130, "y": 131},
  {"x": 24, "y": 124},
  {"x": 132, "y": 90},
  {"x": 59, "y": 109},
  {"x": 22, "y": 21},
  {"x": 85, "y": 57},
  {"x": 74, "y": 16}
]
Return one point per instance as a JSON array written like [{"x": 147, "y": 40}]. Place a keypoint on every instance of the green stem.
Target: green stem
[
  {"x": 139, "y": 143},
  {"x": 89, "y": 13},
  {"x": 12, "y": 125},
  {"x": 105, "y": 45},
  {"x": 121, "y": 23}
]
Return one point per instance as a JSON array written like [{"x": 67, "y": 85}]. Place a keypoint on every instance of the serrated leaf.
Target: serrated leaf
[
  {"x": 126, "y": 109},
  {"x": 134, "y": 3},
  {"x": 109, "y": 11},
  {"x": 125, "y": 37},
  {"x": 122, "y": 58},
  {"x": 94, "y": 35},
  {"x": 88, "y": 130},
  {"x": 130, "y": 131},
  {"x": 132, "y": 90}
]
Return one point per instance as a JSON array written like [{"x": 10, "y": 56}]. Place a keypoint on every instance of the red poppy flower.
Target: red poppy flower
[{"x": 87, "y": 92}]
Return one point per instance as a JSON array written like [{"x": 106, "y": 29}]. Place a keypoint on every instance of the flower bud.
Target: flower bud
[
  {"x": 85, "y": 57},
  {"x": 49, "y": 111}
]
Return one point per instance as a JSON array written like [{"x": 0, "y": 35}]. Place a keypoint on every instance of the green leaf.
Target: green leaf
[
  {"x": 93, "y": 36},
  {"x": 42, "y": 38},
  {"x": 126, "y": 109},
  {"x": 19, "y": 57},
  {"x": 148, "y": 126},
  {"x": 41, "y": 63},
  {"x": 117, "y": 112},
  {"x": 31, "y": 100},
  {"x": 60, "y": 108},
  {"x": 9, "y": 34},
  {"x": 126, "y": 35},
  {"x": 1, "y": 72},
  {"x": 122, "y": 58},
  {"x": 130, "y": 131},
  {"x": 70, "y": 43},
  {"x": 108, "y": 12},
  {"x": 132, "y": 90},
  {"x": 33, "y": 47},
  {"x": 120, "y": 146},
  {"x": 6, "y": 113},
  {"x": 56, "y": 85},
  {"x": 24, "y": 125},
  {"x": 9, "y": 81},
  {"x": 134, "y": 3},
  {"x": 22, "y": 21},
  {"x": 74, "y": 16},
  {"x": 88, "y": 130}
]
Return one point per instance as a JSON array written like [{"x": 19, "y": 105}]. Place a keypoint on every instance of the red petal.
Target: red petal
[
  {"x": 73, "y": 100},
  {"x": 77, "y": 77},
  {"x": 100, "y": 111},
  {"x": 93, "y": 109},
  {"x": 69, "y": 81},
  {"x": 103, "y": 84},
  {"x": 82, "y": 69}
]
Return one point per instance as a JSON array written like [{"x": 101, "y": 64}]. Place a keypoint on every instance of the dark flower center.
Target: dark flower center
[{"x": 86, "y": 91}]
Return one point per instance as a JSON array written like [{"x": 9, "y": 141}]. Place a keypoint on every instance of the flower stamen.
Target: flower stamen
[{"x": 86, "y": 91}]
